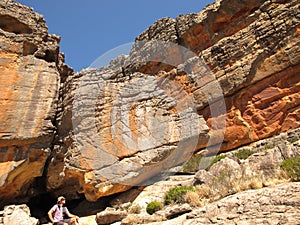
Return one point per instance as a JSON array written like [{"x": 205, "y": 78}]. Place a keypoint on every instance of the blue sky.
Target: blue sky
[{"x": 93, "y": 27}]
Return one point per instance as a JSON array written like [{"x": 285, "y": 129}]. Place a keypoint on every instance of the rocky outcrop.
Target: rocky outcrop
[
  {"x": 109, "y": 216},
  {"x": 30, "y": 65},
  {"x": 88, "y": 220},
  {"x": 235, "y": 66},
  {"x": 279, "y": 204},
  {"x": 222, "y": 191},
  {"x": 17, "y": 215},
  {"x": 206, "y": 82},
  {"x": 274, "y": 205},
  {"x": 252, "y": 52}
]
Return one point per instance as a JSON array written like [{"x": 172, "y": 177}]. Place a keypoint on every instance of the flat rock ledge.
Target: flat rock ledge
[{"x": 273, "y": 205}]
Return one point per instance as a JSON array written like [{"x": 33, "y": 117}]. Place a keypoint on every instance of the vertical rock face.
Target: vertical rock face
[
  {"x": 252, "y": 50},
  {"x": 258, "y": 69},
  {"x": 208, "y": 82},
  {"x": 124, "y": 132},
  {"x": 235, "y": 63},
  {"x": 29, "y": 86}
]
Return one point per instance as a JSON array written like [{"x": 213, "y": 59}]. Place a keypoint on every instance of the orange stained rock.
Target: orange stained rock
[
  {"x": 111, "y": 128},
  {"x": 8, "y": 79},
  {"x": 268, "y": 107}
]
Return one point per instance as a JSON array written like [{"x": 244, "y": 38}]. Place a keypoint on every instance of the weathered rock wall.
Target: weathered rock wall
[
  {"x": 237, "y": 189},
  {"x": 208, "y": 82},
  {"x": 30, "y": 66},
  {"x": 252, "y": 50},
  {"x": 249, "y": 52},
  {"x": 258, "y": 69}
]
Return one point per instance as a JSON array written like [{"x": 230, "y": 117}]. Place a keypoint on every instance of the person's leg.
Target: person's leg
[
  {"x": 60, "y": 223},
  {"x": 67, "y": 222}
]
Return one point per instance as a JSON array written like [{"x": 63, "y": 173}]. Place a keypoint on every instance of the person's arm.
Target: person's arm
[
  {"x": 50, "y": 215},
  {"x": 70, "y": 214},
  {"x": 51, "y": 212}
]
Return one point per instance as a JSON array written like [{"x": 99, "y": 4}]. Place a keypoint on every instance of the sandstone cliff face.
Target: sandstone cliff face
[
  {"x": 253, "y": 52},
  {"x": 221, "y": 194},
  {"x": 247, "y": 52},
  {"x": 258, "y": 69},
  {"x": 29, "y": 85},
  {"x": 207, "y": 82}
]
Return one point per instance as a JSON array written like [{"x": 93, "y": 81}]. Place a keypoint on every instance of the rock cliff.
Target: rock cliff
[
  {"x": 238, "y": 189},
  {"x": 232, "y": 67},
  {"x": 31, "y": 67},
  {"x": 206, "y": 82}
]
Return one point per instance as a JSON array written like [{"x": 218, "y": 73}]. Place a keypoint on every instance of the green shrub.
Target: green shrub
[
  {"x": 292, "y": 140},
  {"x": 243, "y": 154},
  {"x": 192, "y": 165},
  {"x": 269, "y": 146},
  {"x": 216, "y": 159},
  {"x": 176, "y": 194},
  {"x": 152, "y": 207},
  {"x": 292, "y": 168}
]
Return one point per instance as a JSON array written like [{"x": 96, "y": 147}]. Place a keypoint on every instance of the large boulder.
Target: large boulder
[
  {"x": 109, "y": 216},
  {"x": 123, "y": 133},
  {"x": 174, "y": 211},
  {"x": 18, "y": 215}
]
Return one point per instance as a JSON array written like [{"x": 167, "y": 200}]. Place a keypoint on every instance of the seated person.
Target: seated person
[{"x": 58, "y": 212}]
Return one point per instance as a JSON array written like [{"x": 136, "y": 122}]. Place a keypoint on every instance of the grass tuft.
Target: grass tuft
[
  {"x": 243, "y": 153},
  {"x": 176, "y": 194},
  {"x": 292, "y": 167}
]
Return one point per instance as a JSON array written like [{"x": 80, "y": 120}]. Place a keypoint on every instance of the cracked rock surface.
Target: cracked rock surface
[{"x": 101, "y": 131}]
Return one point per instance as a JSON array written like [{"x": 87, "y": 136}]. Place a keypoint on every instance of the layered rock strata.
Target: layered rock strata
[
  {"x": 253, "y": 53},
  {"x": 235, "y": 63},
  {"x": 222, "y": 194},
  {"x": 207, "y": 82},
  {"x": 30, "y": 66}
]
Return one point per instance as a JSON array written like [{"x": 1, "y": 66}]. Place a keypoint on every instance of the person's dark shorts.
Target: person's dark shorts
[{"x": 68, "y": 221}]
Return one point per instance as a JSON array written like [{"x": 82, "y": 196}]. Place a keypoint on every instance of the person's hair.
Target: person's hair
[{"x": 60, "y": 198}]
